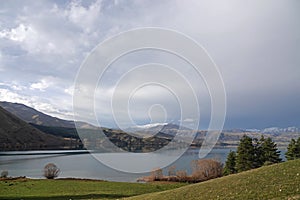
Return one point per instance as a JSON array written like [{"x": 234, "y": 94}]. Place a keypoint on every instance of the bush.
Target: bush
[
  {"x": 182, "y": 176},
  {"x": 206, "y": 169},
  {"x": 4, "y": 174},
  {"x": 51, "y": 171},
  {"x": 172, "y": 170},
  {"x": 156, "y": 174}
]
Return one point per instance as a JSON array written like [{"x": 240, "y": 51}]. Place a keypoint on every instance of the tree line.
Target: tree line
[{"x": 253, "y": 153}]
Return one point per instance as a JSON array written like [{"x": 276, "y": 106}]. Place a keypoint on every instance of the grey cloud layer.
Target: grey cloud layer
[{"x": 255, "y": 44}]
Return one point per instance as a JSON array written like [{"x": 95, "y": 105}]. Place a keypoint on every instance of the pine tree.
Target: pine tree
[
  {"x": 258, "y": 152},
  {"x": 269, "y": 152},
  {"x": 245, "y": 158},
  {"x": 230, "y": 164},
  {"x": 293, "y": 150},
  {"x": 298, "y": 148}
]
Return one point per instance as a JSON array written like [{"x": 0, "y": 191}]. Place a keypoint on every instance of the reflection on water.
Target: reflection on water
[{"x": 81, "y": 164}]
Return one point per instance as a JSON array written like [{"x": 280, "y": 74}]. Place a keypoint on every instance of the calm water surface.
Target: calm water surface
[{"x": 80, "y": 164}]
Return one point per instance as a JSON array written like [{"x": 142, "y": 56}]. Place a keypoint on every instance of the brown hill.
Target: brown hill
[
  {"x": 33, "y": 116},
  {"x": 16, "y": 134}
]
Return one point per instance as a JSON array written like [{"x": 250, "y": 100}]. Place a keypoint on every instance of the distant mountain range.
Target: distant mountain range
[
  {"x": 291, "y": 129},
  {"x": 147, "y": 127},
  {"x": 148, "y": 130},
  {"x": 25, "y": 128},
  {"x": 32, "y": 116},
  {"x": 34, "y": 130},
  {"x": 166, "y": 127},
  {"x": 166, "y": 130},
  {"x": 228, "y": 138}
]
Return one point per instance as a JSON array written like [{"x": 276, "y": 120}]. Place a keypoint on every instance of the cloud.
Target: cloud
[
  {"x": 84, "y": 17},
  {"x": 13, "y": 86},
  {"x": 7, "y": 95},
  {"x": 36, "y": 102},
  {"x": 55, "y": 31},
  {"x": 69, "y": 90},
  {"x": 188, "y": 120},
  {"x": 42, "y": 45},
  {"x": 30, "y": 39},
  {"x": 42, "y": 85},
  {"x": 18, "y": 34}
]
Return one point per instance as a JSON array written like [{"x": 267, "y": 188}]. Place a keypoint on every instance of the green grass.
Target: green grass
[
  {"x": 279, "y": 181},
  {"x": 76, "y": 189}
]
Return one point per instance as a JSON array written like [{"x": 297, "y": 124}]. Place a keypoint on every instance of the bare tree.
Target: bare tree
[
  {"x": 206, "y": 169},
  {"x": 181, "y": 175},
  {"x": 172, "y": 170},
  {"x": 51, "y": 171},
  {"x": 4, "y": 174},
  {"x": 157, "y": 174}
]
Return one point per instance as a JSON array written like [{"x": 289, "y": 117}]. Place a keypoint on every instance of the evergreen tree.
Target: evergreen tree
[
  {"x": 258, "y": 152},
  {"x": 253, "y": 153},
  {"x": 245, "y": 158},
  {"x": 298, "y": 148},
  {"x": 230, "y": 164},
  {"x": 269, "y": 152},
  {"x": 293, "y": 150}
]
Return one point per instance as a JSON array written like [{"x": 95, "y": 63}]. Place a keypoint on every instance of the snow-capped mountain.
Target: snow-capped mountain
[
  {"x": 252, "y": 130},
  {"x": 152, "y": 128},
  {"x": 147, "y": 126},
  {"x": 291, "y": 129},
  {"x": 168, "y": 130}
]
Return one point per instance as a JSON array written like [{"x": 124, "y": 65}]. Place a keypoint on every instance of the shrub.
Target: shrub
[
  {"x": 156, "y": 174},
  {"x": 51, "y": 171},
  {"x": 206, "y": 169},
  {"x": 4, "y": 174},
  {"x": 172, "y": 170},
  {"x": 181, "y": 175}
]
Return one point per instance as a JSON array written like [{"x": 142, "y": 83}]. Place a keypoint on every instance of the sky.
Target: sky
[{"x": 255, "y": 45}]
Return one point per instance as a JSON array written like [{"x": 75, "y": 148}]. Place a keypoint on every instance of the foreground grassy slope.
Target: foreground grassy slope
[
  {"x": 75, "y": 189},
  {"x": 279, "y": 181}
]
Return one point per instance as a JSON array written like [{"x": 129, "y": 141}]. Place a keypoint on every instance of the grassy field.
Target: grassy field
[
  {"x": 280, "y": 181},
  {"x": 76, "y": 189}
]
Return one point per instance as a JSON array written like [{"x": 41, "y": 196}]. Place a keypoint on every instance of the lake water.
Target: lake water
[{"x": 81, "y": 164}]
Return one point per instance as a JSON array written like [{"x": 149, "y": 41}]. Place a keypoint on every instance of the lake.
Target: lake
[{"x": 81, "y": 164}]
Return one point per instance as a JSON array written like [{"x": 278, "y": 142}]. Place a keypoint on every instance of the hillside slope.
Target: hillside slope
[
  {"x": 16, "y": 134},
  {"x": 279, "y": 181},
  {"x": 31, "y": 115}
]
